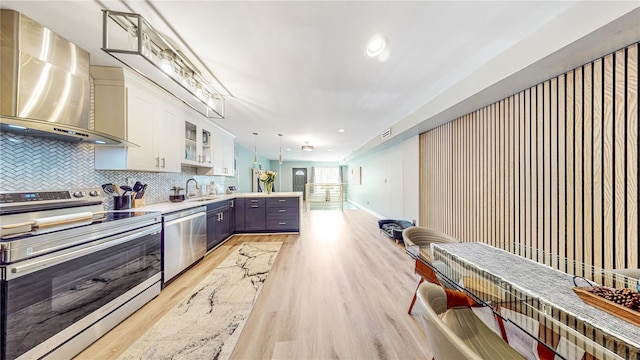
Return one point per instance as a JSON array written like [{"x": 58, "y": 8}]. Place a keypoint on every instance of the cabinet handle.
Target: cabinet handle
[
  {"x": 164, "y": 163},
  {"x": 282, "y": 223},
  {"x": 255, "y": 206},
  {"x": 282, "y": 210},
  {"x": 199, "y": 158},
  {"x": 221, "y": 216},
  {"x": 254, "y": 201},
  {"x": 158, "y": 162},
  {"x": 282, "y": 200}
]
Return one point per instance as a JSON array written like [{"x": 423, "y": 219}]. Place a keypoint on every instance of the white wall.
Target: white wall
[
  {"x": 389, "y": 187},
  {"x": 244, "y": 164}
]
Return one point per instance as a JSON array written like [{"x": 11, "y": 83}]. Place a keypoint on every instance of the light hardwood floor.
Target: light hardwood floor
[{"x": 340, "y": 289}]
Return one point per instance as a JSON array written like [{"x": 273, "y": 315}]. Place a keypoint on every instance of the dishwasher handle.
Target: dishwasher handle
[{"x": 185, "y": 218}]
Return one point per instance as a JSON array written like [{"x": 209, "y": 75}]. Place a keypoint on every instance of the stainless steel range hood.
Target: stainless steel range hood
[{"x": 45, "y": 84}]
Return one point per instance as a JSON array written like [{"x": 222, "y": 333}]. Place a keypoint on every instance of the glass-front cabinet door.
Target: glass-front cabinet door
[
  {"x": 206, "y": 157},
  {"x": 197, "y": 145},
  {"x": 191, "y": 136}
]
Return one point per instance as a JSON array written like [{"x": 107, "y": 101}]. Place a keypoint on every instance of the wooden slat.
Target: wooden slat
[
  {"x": 619, "y": 164},
  {"x": 570, "y": 132},
  {"x": 607, "y": 170},
  {"x": 577, "y": 172},
  {"x": 540, "y": 169},
  {"x": 493, "y": 174},
  {"x": 480, "y": 175},
  {"x": 528, "y": 175},
  {"x": 488, "y": 176},
  {"x": 554, "y": 169},
  {"x": 470, "y": 144},
  {"x": 512, "y": 210},
  {"x": 534, "y": 173},
  {"x": 422, "y": 189},
  {"x": 458, "y": 178},
  {"x": 449, "y": 147},
  {"x": 587, "y": 164},
  {"x": 562, "y": 166},
  {"x": 632, "y": 157},
  {"x": 522, "y": 169},
  {"x": 546, "y": 110},
  {"x": 500, "y": 173},
  {"x": 598, "y": 175}
]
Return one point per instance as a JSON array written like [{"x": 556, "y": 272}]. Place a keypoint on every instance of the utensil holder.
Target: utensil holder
[
  {"x": 137, "y": 203},
  {"x": 122, "y": 202}
]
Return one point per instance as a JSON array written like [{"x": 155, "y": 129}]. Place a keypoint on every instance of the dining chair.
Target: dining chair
[
  {"x": 459, "y": 334},
  {"x": 417, "y": 241}
]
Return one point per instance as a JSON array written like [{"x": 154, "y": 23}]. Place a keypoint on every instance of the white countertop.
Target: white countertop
[{"x": 169, "y": 207}]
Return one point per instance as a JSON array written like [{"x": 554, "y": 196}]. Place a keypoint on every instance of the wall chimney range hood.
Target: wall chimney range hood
[{"x": 45, "y": 84}]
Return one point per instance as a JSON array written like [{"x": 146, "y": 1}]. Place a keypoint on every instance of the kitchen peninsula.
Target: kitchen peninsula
[
  {"x": 293, "y": 200},
  {"x": 199, "y": 225}
]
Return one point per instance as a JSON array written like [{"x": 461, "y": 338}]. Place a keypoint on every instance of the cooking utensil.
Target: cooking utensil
[
  {"x": 140, "y": 193},
  {"x": 108, "y": 189},
  {"x": 137, "y": 186},
  {"x": 127, "y": 189}
]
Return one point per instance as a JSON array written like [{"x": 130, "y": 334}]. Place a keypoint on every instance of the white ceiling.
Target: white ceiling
[{"x": 299, "y": 68}]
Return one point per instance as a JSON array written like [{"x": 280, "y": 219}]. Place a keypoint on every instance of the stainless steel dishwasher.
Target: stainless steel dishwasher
[{"x": 184, "y": 240}]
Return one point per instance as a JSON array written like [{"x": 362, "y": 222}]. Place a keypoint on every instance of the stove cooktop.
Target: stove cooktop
[{"x": 107, "y": 219}]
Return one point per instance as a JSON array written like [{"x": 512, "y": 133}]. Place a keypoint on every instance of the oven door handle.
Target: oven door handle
[{"x": 30, "y": 266}]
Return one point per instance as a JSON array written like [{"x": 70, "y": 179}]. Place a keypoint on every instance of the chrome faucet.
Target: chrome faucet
[{"x": 186, "y": 187}]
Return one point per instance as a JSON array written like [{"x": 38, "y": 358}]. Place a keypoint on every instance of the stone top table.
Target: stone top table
[{"x": 547, "y": 289}]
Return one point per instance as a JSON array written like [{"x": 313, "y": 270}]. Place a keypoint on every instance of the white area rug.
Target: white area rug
[{"x": 207, "y": 323}]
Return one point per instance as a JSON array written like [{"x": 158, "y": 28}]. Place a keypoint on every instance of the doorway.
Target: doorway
[{"x": 299, "y": 180}]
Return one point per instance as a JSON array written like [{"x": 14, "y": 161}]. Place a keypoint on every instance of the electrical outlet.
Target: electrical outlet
[{"x": 131, "y": 181}]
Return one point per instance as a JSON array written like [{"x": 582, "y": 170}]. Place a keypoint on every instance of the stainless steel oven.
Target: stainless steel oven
[{"x": 64, "y": 282}]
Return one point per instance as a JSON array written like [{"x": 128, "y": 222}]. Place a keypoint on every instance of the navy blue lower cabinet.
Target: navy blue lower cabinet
[
  {"x": 255, "y": 214},
  {"x": 270, "y": 214},
  {"x": 283, "y": 214}
]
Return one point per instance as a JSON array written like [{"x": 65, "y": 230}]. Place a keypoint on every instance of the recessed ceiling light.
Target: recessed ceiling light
[
  {"x": 288, "y": 149},
  {"x": 341, "y": 130},
  {"x": 328, "y": 149},
  {"x": 376, "y": 46}
]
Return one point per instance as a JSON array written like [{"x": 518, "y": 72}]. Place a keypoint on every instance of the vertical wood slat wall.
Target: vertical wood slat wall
[{"x": 553, "y": 168}]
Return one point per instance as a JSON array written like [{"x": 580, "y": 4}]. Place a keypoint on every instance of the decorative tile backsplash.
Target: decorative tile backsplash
[{"x": 32, "y": 163}]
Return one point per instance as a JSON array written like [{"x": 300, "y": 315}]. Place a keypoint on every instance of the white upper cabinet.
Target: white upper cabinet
[
  {"x": 223, "y": 153},
  {"x": 131, "y": 108}
]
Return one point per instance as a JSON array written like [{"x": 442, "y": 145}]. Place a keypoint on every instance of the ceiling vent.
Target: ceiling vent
[{"x": 386, "y": 134}]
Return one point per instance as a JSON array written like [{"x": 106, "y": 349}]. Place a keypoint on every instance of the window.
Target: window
[{"x": 326, "y": 175}]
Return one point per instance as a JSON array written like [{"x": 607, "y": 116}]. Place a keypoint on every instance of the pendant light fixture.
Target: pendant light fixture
[
  {"x": 154, "y": 56},
  {"x": 280, "y": 157},
  {"x": 255, "y": 150},
  {"x": 307, "y": 147}
]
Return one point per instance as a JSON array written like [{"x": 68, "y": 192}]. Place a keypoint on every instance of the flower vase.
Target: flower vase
[{"x": 268, "y": 186}]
